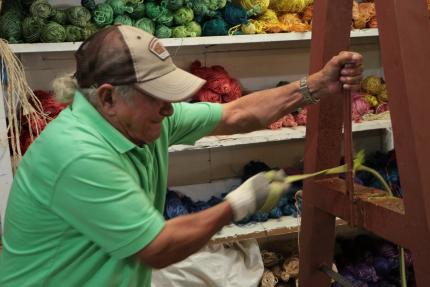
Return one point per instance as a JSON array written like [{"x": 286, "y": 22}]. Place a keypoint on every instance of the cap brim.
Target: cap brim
[{"x": 178, "y": 85}]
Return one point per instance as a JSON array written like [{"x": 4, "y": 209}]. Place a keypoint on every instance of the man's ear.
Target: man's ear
[{"x": 106, "y": 99}]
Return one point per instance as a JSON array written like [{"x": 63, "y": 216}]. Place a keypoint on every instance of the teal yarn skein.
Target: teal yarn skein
[
  {"x": 32, "y": 28},
  {"x": 145, "y": 24},
  {"x": 163, "y": 31},
  {"x": 78, "y": 16},
  {"x": 73, "y": 33},
  {"x": 215, "y": 27},
  {"x": 41, "y": 9},
  {"x": 235, "y": 14},
  {"x": 123, "y": 19},
  {"x": 119, "y": 7},
  {"x": 53, "y": 32},
  {"x": 183, "y": 16},
  {"x": 103, "y": 15}
]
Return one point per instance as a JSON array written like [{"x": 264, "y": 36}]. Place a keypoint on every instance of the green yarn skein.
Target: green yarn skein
[
  {"x": 139, "y": 11},
  {"x": 60, "y": 16},
  {"x": 10, "y": 26},
  {"x": 103, "y": 15},
  {"x": 181, "y": 32},
  {"x": 119, "y": 7},
  {"x": 32, "y": 28},
  {"x": 172, "y": 4},
  {"x": 216, "y": 4},
  {"x": 78, "y": 16},
  {"x": 201, "y": 8},
  {"x": 73, "y": 33},
  {"x": 194, "y": 28},
  {"x": 41, "y": 9},
  {"x": 134, "y": 1},
  {"x": 123, "y": 19},
  {"x": 162, "y": 31},
  {"x": 183, "y": 16},
  {"x": 89, "y": 4},
  {"x": 88, "y": 30},
  {"x": 153, "y": 11},
  {"x": 53, "y": 32},
  {"x": 145, "y": 24},
  {"x": 166, "y": 17}
]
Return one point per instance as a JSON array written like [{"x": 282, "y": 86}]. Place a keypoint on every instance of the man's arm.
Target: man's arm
[
  {"x": 185, "y": 235},
  {"x": 259, "y": 109}
]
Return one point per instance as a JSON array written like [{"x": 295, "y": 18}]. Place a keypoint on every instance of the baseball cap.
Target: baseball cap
[{"x": 123, "y": 55}]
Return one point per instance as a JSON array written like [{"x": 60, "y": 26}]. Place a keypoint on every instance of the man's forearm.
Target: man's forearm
[{"x": 184, "y": 235}]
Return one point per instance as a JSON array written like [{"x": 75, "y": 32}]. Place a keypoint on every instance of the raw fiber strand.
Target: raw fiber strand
[
  {"x": 162, "y": 31},
  {"x": 53, "y": 32},
  {"x": 195, "y": 28},
  {"x": 41, "y": 9},
  {"x": 10, "y": 26},
  {"x": 145, "y": 24},
  {"x": 119, "y": 7},
  {"x": 60, "y": 16},
  {"x": 19, "y": 99},
  {"x": 103, "y": 15},
  {"x": 32, "y": 28},
  {"x": 123, "y": 19},
  {"x": 78, "y": 16}
]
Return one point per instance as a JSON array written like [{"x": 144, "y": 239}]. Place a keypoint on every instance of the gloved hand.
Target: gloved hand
[{"x": 259, "y": 193}]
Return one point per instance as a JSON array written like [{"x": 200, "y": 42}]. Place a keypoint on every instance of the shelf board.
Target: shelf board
[
  {"x": 269, "y": 136},
  {"x": 273, "y": 227},
  {"x": 196, "y": 41}
]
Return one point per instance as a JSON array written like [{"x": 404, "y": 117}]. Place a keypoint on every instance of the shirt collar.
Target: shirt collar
[{"x": 84, "y": 110}]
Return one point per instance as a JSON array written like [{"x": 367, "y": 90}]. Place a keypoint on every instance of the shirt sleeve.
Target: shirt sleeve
[
  {"x": 97, "y": 197},
  {"x": 191, "y": 122}
]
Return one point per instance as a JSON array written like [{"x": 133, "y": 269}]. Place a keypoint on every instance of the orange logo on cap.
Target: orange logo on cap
[{"x": 158, "y": 49}]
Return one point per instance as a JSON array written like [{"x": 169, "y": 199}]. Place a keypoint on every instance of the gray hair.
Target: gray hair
[{"x": 65, "y": 87}]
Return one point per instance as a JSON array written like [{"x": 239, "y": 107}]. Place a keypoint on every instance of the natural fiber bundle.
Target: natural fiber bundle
[
  {"x": 301, "y": 117},
  {"x": 153, "y": 10},
  {"x": 372, "y": 100},
  {"x": 289, "y": 121},
  {"x": 373, "y": 22},
  {"x": 89, "y": 4},
  {"x": 291, "y": 6},
  {"x": 53, "y": 32},
  {"x": 22, "y": 104},
  {"x": 276, "y": 125},
  {"x": 32, "y": 28},
  {"x": 88, "y": 30},
  {"x": 360, "y": 107},
  {"x": 290, "y": 268},
  {"x": 234, "y": 93},
  {"x": 119, "y": 7},
  {"x": 291, "y": 23},
  {"x": 372, "y": 85},
  {"x": 383, "y": 94},
  {"x": 78, "y": 16},
  {"x": 103, "y": 15},
  {"x": 165, "y": 17},
  {"x": 146, "y": 25},
  {"x": 269, "y": 279},
  {"x": 270, "y": 259},
  {"x": 41, "y": 9},
  {"x": 73, "y": 33},
  {"x": 206, "y": 95},
  {"x": 308, "y": 14},
  {"x": 182, "y": 32},
  {"x": 215, "y": 27},
  {"x": 362, "y": 13}
]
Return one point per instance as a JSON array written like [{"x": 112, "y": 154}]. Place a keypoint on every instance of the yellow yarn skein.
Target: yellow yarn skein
[
  {"x": 251, "y": 4},
  {"x": 291, "y": 6}
]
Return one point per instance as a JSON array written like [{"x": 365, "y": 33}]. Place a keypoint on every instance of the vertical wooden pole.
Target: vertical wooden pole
[{"x": 330, "y": 35}]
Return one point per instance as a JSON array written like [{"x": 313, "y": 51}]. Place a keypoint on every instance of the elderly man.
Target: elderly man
[{"x": 87, "y": 201}]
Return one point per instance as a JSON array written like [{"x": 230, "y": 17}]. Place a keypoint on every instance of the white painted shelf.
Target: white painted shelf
[
  {"x": 196, "y": 41},
  {"x": 269, "y": 136},
  {"x": 284, "y": 225}
]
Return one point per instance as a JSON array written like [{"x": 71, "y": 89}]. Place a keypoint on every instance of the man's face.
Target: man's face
[{"x": 139, "y": 116}]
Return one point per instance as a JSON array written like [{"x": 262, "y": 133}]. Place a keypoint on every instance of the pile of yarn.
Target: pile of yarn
[
  {"x": 364, "y": 15},
  {"x": 179, "y": 204},
  {"x": 367, "y": 261},
  {"x": 279, "y": 271},
  {"x": 219, "y": 87},
  {"x": 50, "y": 107}
]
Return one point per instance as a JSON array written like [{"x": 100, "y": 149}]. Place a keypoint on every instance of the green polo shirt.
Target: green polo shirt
[{"x": 85, "y": 199}]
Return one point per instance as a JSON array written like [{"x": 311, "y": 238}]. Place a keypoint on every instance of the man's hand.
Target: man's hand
[
  {"x": 259, "y": 193},
  {"x": 342, "y": 71}
]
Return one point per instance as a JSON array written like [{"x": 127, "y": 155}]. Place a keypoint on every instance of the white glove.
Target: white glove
[{"x": 259, "y": 193}]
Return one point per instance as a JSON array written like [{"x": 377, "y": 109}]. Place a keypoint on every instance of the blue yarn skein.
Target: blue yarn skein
[{"x": 235, "y": 14}]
